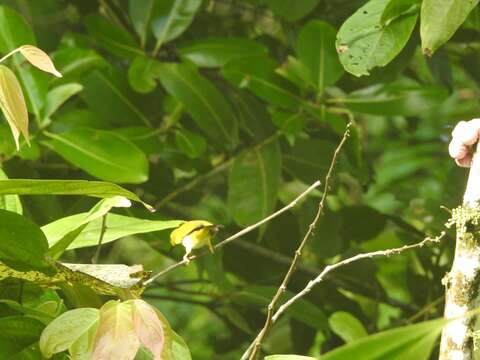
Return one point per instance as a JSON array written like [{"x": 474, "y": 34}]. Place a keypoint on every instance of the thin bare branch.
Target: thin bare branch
[
  {"x": 283, "y": 286},
  {"x": 312, "y": 283}
]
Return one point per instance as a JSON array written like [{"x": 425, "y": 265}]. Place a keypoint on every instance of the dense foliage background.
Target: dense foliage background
[{"x": 226, "y": 110}]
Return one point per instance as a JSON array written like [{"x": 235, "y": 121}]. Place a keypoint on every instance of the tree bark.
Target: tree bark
[{"x": 462, "y": 282}]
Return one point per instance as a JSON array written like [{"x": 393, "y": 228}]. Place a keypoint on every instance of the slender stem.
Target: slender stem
[
  {"x": 100, "y": 239},
  {"x": 238, "y": 234},
  {"x": 283, "y": 286},
  {"x": 9, "y": 54}
]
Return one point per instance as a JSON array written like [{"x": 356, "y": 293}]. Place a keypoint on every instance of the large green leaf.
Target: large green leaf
[
  {"x": 23, "y": 245},
  {"x": 392, "y": 344},
  {"x": 66, "y": 187},
  {"x": 172, "y": 18},
  {"x": 76, "y": 61},
  {"x": 66, "y": 235},
  {"x": 103, "y": 154},
  {"x": 108, "y": 94},
  {"x": 67, "y": 329},
  {"x": 113, "y": 38},
  {"x": 363, "y": 43},
  {"x": 202, "y": 100},
  {"x": 59, "y": 95},
  {"x": 18, "y": 332},
  {"x": 396, "y": 99},
  {"x": 288, "y": 357},
  {"x": 141, "y": 14},
  {"x": 309, "y": 159},
  {"x": 346, "y": 326},
  {"x": 440, "y": 19},
  {"x": 117, "y": 226},
  {"x": 292, "y": 10},
  {"x": 10, "y": 202},
  {"x": 216, "y": 52},
  {"x": 258, "y": 75},
  {"x": 253, "y": 184},
  {"x": 15, "y": 31},
  {"x": 316, "y": 50}
]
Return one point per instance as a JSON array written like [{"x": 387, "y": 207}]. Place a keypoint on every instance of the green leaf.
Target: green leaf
[
  {"x": 253, "y": 184},
  {"x": 18, "y": 332},
  {"x": 35, "y": 87},
  {"x": 180, "y": 349},
  {"x": 59, "y": 95},
  {"x": 258, "y": 75},
  {"x": 288, "y": 357},
  {"x": 190, "y": 144},
  {"x": 397, "y": 8},
  {"x": 66, "y": 187},
  {"x": 15, "y": 31},
  {"x": 202, "y": 100},
  {"x": 142, "y": 74},
  {"x": 309, "y": 159},
  {"x": 16, "y": 229},
  {"x": 10, "y": 202},
  {"x": 316, "y": 50},
  {"x": 292, "y": 10},
  {"x": 103, "y": 154},
  {"x": 76, "y": 61},
  {"x": 67, "y": 329},
  {"x": 363, "y": 43},
  {"x": 391, "y": 343},
  {"x": 66, "y": 235},
  {"x": 216, "y": 52},
  {"x": 13, "y": 105},
  {"x": 172, "y": 18},
  {"x": 113, "y": 38},
  {"x": 302, "y": 310},
  {"x": 346, "y": 326},
  {"x": 440, "y": 19},
  {"x": 109, "y": 96},
  {"x": 117, "y": 226},
  {"x": 396, "y": 99},
  {"x": 360, "y": 222},
  {"x": 141, "y": 13},
  {"x": 289, "y": 123}
]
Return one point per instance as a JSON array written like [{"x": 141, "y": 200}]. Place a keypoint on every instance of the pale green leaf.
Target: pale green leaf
[
  {"x": 59, "y": 95},
  {"x": 13, "y": 104},
  {"x": 346, "y": 326},
  {"x": 67, "y": 329},
  {"x": 363, "y": 43},
  {"x": 440, "y": 19}
]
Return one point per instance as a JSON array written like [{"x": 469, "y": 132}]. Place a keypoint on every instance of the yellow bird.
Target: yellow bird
[{"x": 193, "y": 235}]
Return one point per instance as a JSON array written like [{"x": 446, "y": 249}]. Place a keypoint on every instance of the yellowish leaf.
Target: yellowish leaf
[
  {"x": 13, "y": 104},
  {"x": 116, "y": 338},
  {"x": 148, "y": 327},
  {"x": 39, "y": 59}
]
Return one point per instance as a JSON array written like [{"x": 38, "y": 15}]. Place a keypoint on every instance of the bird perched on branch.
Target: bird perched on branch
[{"x": 193, "y": 235}]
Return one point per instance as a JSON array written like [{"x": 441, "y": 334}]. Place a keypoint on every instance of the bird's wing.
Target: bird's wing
[{"x": 186, "y": 229}]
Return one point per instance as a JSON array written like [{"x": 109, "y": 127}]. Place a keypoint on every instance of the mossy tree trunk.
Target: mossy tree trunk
[{"x": 462, "y": 282}]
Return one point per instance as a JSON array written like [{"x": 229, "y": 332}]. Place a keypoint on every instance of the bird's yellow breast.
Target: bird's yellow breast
[{"x": 198, "y": 229}]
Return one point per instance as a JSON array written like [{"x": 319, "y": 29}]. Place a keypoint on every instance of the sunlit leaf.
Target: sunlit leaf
[
  {"x": 10, "y": 202},
  {"x": 347, "y": 326},
  {"x": 67, "y": 329},
  {"x": 116, "y": 337},
  {"x": 13, "y": 104},
  {"x": 148, "y": 327},
  {"x": 39, "y": 59}
]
